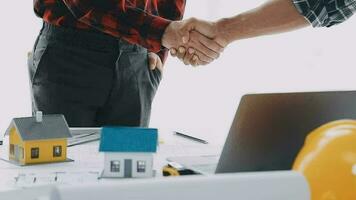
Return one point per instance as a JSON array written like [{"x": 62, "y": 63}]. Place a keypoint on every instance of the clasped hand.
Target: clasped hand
[{"x": 195, "y": 42}]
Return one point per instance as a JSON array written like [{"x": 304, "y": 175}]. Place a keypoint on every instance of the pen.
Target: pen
[
  {"x": 83, "y": 139},
  {"x": 191, "y": 137}
]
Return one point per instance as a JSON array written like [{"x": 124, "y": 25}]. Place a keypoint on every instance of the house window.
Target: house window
[
  {"x": 12, "y": 149},
  {"x": 141, "y": 166},
  {"x": 115, "y": 166},
  {"x": 35, "y": 152},
  {"x": 57, "y": 151}
]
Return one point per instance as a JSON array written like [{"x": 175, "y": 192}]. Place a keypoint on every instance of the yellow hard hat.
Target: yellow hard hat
[{"x": 328, "y": 161}]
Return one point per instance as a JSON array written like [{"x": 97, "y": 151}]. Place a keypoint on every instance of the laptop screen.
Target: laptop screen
[{"x": 269, "y": 130}]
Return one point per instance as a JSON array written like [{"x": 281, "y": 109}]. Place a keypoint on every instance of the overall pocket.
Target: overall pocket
[
  {"x": 156, "y": 76},
  {"x": 137, "y": 79},
  {"x": 138, "y": 62},
  {"x": 35, "y": 60}
]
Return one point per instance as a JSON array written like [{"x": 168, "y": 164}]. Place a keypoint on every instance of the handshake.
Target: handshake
[{"x": 195, "y": 42}]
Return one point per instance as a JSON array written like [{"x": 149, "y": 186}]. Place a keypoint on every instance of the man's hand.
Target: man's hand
[
  {"x": 192, "y": 55},
  {"x": 204, "y": 45},
  {"x": 177, "y": 33},
  {"x": 182, "y": 34},
  {"x": 154, "y": 61}
]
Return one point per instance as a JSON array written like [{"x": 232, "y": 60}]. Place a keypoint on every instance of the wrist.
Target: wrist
[
  {"x": 222, "y": 37},
  {"x": 231, "y": 29},
  {"x": 164, "y": 38},
  {"x": 168, "y": 35},
  {"x": 224, "y": 31}
]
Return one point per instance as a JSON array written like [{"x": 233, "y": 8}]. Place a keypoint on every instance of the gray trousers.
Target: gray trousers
[{"x": 91, "y": 78}]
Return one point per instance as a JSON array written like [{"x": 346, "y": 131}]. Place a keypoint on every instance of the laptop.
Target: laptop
[{"x": 269, "y": 130}]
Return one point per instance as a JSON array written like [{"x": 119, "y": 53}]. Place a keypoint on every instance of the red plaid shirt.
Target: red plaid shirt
[{"x": 140, "y": 22}]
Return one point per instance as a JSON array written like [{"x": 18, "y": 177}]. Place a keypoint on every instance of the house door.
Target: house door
[{"x": 128, "y": 168}]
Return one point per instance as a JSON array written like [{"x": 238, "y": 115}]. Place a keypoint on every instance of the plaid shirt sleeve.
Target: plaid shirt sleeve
[
  {"x": 326, "y": 13},
  {"x": 121, "y": 18}
]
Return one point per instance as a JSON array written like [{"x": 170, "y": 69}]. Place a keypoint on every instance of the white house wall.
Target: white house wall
[{"x": 148, "y": 157}]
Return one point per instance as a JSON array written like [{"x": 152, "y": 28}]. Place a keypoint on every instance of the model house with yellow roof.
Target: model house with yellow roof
[{"x": 38, "y": 139}]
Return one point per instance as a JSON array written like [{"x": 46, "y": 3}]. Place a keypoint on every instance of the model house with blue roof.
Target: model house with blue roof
[{"x": 128, "y": 152}]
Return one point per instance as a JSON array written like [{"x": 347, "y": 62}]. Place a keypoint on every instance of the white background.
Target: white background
[{"x": 201, "y": 101}]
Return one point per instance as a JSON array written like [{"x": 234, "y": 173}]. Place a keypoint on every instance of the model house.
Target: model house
[
  {"x": 128, "y": 151},
  {"x": 38, "y": 139}
]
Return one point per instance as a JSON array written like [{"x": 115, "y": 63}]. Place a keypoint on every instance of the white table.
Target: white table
[{"x": 88, "y": 163}]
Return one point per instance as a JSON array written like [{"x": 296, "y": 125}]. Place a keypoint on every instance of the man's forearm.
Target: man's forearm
[
  {"x": 275, "y": 16},
  {"x": 121, "y": 19}
]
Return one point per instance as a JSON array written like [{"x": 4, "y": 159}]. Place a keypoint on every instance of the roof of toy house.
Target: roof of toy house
[
  {"x": 118, "y": 139},
  {"x": 51, "y": 127}
]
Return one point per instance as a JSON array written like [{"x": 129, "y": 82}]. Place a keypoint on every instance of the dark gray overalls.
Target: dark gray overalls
[{"x": 92, "y": 78}]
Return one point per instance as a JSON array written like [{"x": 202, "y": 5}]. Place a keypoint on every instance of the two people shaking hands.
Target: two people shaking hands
[
  {"x": 198, "y": 42},
  {"x": 99, "y": 63}
]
